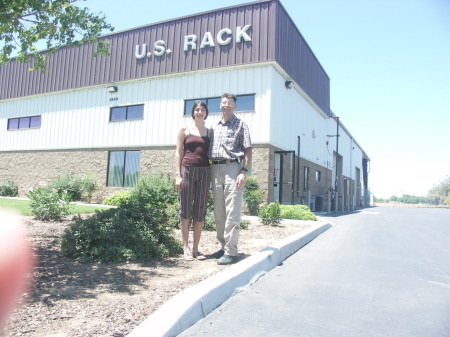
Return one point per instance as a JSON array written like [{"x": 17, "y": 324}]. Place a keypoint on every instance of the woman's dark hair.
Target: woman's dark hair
[{"x": 199, "y": 103}]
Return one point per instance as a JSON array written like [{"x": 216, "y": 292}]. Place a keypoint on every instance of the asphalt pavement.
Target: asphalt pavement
[
  {"x": 380, "y": 271},
  {"x": 196, "y": 302}
]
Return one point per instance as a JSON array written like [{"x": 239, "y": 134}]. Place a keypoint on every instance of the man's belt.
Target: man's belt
[{"x": 222, "y": 161}]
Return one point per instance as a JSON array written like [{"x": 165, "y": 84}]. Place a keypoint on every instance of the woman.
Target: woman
[{"x": 193, "y": 177}]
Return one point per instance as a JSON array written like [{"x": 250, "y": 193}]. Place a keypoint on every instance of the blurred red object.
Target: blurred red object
[{"x": 16, "y": 262}]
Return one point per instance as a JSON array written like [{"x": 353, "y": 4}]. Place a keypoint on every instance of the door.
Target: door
[{"x": 284, "y": 178}]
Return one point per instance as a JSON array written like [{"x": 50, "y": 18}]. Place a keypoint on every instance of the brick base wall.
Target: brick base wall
[
  {"x": 158, "y": 160},
  {"x": 262, "y": 166},
  {"x": 32, "y": 169}
]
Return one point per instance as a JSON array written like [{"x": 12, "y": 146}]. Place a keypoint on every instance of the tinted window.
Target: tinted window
[
  {"x": 132, "y": 163},
  {"x": 127, "y": 112},
  {"x": 246, "y": 103},
  {"x": 24, "y": 123},
  {"x": 13, "y": 123},
  {"x": 118, "y": 114},
  {"x": 123, "y": 168},
  {"x": 135, "y": 112},
  {"x": 115, "y": 168},
  {"x": 35, "y": 122},
  {"x": 214, "y": 105}
]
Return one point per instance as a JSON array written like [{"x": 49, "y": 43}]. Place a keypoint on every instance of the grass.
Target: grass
[{"x": 22, "y": 207}]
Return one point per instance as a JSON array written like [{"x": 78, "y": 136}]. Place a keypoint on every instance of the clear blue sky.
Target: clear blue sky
[{"x": 389, "y": 68}]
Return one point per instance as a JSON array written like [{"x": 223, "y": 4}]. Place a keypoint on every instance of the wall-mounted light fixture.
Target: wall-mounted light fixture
[
  {"x": 288, "y": 84},
  {"x": 112, "y": 89}
]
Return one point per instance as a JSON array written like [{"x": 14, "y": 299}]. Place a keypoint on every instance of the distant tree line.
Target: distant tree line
[{"x": 438, "y": 195}]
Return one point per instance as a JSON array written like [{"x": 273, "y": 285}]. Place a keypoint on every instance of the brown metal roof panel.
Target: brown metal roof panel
[
  {"x": 60, "y": 66},
  {"x": 201, "y": 29},
  {"x": 188, "y": 28},
  {"x": 6, "y": 77},
  {"x": 72, "y": 67},
  {"x": 169, "y": 38},
  {"x": 141, "y": 64},
  {"x": 177, "y": 56},
  {"x": 207, "y": 57},
  {"x": 160, "y": 32},
  {"x": 112, "y": 61},
  {"x": 296, "y": 57},
  {"x": 129, "y": 67},
  {"x": 218, "y": 25},
  {"x": 66, "y": 68}
]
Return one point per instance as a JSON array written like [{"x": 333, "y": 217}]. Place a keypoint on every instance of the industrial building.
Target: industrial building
[{"x": 117, "y": 117}]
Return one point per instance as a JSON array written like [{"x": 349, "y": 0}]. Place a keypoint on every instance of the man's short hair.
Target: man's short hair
[{"x": 232, "y": 96}]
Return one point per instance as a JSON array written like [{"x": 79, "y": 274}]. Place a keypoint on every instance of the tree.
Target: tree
[
  {"x": 25, "y": 23},
  {"x": 440, "y": 193}
]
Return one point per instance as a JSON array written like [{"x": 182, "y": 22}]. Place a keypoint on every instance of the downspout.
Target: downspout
[
  {"x": 336, "y": 193},
  {"x": 298, "y": 169}
]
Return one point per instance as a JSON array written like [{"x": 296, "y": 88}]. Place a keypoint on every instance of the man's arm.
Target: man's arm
[{"x": 242, "y": 177}]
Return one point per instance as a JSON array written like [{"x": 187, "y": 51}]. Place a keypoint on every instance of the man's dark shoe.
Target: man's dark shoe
[
  {"x": 227, "y": 259},
  {"x": 217, "y": 254}
]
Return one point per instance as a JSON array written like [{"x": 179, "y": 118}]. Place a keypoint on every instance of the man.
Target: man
[{"x": 230, "y": 154}]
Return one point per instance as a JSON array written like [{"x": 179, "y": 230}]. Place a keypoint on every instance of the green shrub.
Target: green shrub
[
  {"x": 88, "y": 186},
  {"x": 47, "y": 204},
  {"x": 297, "y": 212},
  {"x": 270, "y": 214},
  {"x": 252, "y": 195},
  {"x": 9, "y": 189},
  {"x": 117, "y": 199},
  {"x": 76, "y": 186},
  {"x": 155, "y": 190},
  {"x": 210, "y": 222},
  {"x": 131, "y": 232},
  {"x": 173, "y": 216},
  {"x": 244, "y": 224},
  {"x": 158, "y": 191},
  {"x": 447, "y": 201}
]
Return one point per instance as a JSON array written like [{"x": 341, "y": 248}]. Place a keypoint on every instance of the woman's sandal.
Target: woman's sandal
[
  {"x": 188, "y": 256},
  {"x": 199, "y": 256}
]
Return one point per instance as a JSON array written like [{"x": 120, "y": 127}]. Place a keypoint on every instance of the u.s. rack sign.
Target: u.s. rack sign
[{"x": 191, "y": 42}]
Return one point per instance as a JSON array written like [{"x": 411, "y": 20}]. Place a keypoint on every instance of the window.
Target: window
[
  {"x": 244, "y": 103},
  {"x": 305, "y": 177},
  {"x": 33, "y": 122},
  {"x": 123, "y": 168},
  {"x": 318, "y": 174},
  {"x": 13, "y": 123},
  {"x": 123, "y": 113}
]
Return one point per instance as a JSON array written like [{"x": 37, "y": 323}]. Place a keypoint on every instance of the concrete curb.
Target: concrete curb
[{"x": 194, "y": 303}]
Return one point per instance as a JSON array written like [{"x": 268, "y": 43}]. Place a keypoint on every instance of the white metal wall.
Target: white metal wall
[
  {"x": 80, "y": 119},
  {"x": 292, "y": 115},
  {"x": 350, "y": 151}
]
